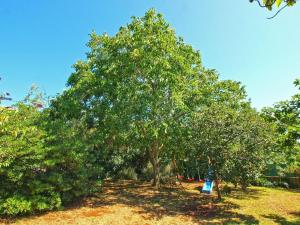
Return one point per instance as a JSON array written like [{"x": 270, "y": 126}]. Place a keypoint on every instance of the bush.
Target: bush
[
  {"x": 24, "y": 187},
  {"x": 262, "y": 182},
  {"x": 147, "y": 173},
  {"x": 38, "y": 171},
  {"x": 127, "y": 173},
  {"x": 16, "y": 205}
]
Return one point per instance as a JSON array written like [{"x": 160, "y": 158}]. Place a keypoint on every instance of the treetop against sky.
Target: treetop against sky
[{"x": 40, "y": 41}]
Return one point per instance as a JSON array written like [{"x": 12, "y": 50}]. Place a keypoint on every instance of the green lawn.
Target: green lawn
[
  {"x": 128, "y": 202},
  {"x": 268, "y": 205}
]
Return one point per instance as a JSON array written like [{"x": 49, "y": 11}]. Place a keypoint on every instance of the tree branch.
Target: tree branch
[
  {"x": 261, "y": 5},
  {"x": 270, "y": 6},
  {"x": 277, "y": 12}
]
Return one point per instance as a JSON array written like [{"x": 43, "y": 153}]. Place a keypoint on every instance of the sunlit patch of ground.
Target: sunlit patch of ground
[{"x": 131, "y": 202}]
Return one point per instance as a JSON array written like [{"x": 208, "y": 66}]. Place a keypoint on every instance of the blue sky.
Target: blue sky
[{"x": 41, "y": 40}]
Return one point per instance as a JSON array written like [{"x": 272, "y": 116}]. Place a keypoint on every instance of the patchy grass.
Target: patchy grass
[{"x": 131, "y": 202}]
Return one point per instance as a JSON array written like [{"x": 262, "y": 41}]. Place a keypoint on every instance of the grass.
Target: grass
[{"x": 131, "y": 202}]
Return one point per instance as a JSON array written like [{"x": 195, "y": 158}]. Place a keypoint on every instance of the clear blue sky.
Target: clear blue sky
[{"x": 40, "y": 40}]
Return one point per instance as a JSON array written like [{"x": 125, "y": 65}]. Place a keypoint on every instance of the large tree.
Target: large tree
[{"x": 137, "y": 87}]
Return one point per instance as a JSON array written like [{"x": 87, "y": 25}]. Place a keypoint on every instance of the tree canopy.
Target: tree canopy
[{"x": 138, "y": 86}]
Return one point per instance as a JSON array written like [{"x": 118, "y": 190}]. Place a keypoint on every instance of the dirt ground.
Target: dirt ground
[{"x": 132, "y": 202}]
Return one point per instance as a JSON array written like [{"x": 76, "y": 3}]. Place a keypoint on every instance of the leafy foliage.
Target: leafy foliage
[
  {"x": 25, "y": 184},
  {"x": 38, "y": 170},
  {"x": 230, "y": 139},
  {"x": 286, "y": 116},
  {"x": 136, "y": 87},
  {"x": 269, "y": 4}
]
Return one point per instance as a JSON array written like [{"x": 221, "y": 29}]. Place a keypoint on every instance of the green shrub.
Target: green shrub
[
  {"x": 262, "y": 182},
  {"x": 41, "y": 168},
  {"x": 127, "y": 173},
  {"x": 16, "y": 205},
  {"x": 147, "y": 172}
]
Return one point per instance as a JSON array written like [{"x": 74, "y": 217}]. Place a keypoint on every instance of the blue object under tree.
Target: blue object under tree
[{"x": 208, "y": 186}]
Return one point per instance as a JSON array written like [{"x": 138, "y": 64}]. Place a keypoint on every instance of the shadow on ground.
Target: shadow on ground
[
  {"x": 173, "y": 201},
  {"x": 248, "y": 194},
  {"x": 283, "y": 221},
  {"x": 169, "y": 201}
]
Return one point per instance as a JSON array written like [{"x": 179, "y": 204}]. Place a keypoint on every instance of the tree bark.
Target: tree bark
[
  {"x": 218, "y": 189},
  {"x": 153, "y": 153},
  {"x": 235, "y": 184},
  {"x": 156, "y": 174},
  {"x": 244, "y": 187}
]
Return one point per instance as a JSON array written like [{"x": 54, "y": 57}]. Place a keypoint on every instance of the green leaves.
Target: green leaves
[
  {"x": 21, "y": 160},
  {"x": 278, "y": 2},
  {"x": 16, "y": 205},
  {"x": 136, "y": 86},
  {"x": 269, "y": 4},
  {"x": 285, "y": 115},
  {"x": 229, "y": 137},
  {"x": 43, "y": 163}
]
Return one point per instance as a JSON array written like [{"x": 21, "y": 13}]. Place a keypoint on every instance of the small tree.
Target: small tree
[
  {"x": 227, "y": 135},
  {"x": 253, "y": 149},
  {"x": 214, "y": 134}
]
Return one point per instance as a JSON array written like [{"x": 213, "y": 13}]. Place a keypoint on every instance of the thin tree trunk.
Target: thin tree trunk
[
  {"x": 156, "y": 174},
  {"x": 244, "y": 187},
  {"x": 153, "y": 153},
  {"x": 218, "y": 189},
  {"x": 175, "y": 171}
]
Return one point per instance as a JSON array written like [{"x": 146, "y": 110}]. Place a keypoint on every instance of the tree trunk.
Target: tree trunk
[
  {"x": 218, "y": 189},
  {"x": 244, "y": 187},
  {"x": 175, "y": 171},
  {"x": 156, "y": 174},
  {"x": 153, "y": 154}
]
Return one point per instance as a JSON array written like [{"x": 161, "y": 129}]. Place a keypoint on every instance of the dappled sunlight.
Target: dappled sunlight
[
  {"x": 282, "y": 220},
  {"x": 135, "y": 202}
]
